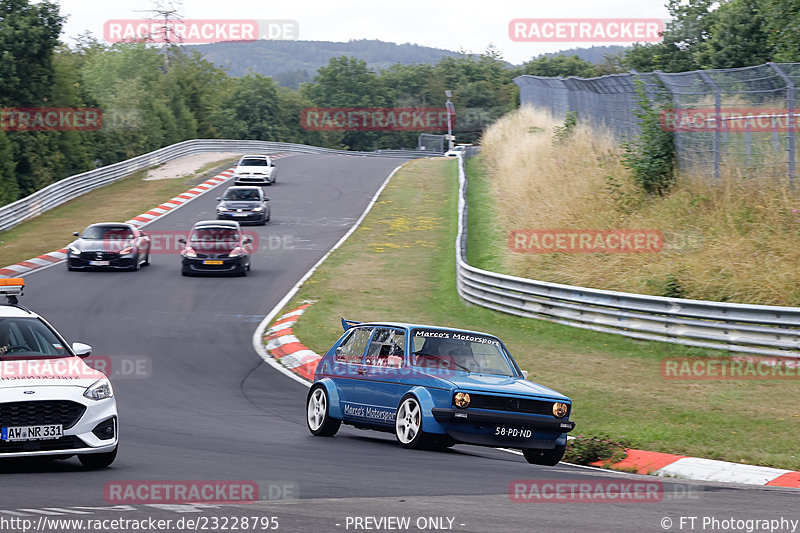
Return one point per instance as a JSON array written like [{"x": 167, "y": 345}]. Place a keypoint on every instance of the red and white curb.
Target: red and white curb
[
  {"x": 142, "y": 220},
  {"x": 287, "y": 349},
  {"x": 681, "y": 466}
]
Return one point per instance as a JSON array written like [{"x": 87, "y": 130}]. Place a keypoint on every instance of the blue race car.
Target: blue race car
[{"x": 434, "y": 387}]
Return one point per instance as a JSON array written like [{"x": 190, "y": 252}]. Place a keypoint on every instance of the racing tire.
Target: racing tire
[
  {"x": 96, "y": 461},
  {"x": 408, "y": 425},
  {"x": 318, "y": 417},
  {"x": 545, "y": 457}
]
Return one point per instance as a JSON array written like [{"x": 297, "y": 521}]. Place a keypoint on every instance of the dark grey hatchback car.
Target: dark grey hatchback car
[{"x": 244, "y": 204}]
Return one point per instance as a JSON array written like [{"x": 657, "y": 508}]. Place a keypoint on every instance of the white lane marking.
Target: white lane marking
[
  {"x": 62, "y": 510},
  {"x": 42, "y": 511},
  {"x": 175, "y": 507},
  {"x": 258, "y": 334},
  {"x": 15, "y": 513},
  {"x": 107, "y": 508}
]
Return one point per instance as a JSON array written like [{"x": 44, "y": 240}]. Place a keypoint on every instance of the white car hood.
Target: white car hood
[{"x": 46, "y": 372}]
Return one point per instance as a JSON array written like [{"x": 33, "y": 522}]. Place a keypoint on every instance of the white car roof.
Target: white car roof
[
  {"x": 254, "y": 155},
  {"x": 11, "y": 311}
]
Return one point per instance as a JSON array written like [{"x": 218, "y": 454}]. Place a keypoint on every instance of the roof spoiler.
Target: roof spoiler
[
  {"x": 347, "y": 324},
  {"x": 11, "y": 288}
]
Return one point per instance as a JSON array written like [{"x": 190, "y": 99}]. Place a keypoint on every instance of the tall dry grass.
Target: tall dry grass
[{"x": 737, "y": 240}]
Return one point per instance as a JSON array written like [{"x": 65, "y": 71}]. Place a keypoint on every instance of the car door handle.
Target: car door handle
[{"x": 362, "y": 371}]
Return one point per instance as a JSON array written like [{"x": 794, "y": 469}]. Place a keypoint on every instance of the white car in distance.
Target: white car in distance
[{"x": 255, "y": 170}]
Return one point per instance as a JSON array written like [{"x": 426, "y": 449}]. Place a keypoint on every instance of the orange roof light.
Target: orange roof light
[{"x": 12, "y": 282}]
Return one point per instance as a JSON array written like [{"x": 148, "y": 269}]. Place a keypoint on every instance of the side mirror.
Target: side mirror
[
  {"x": 76, "y": 233},
  {"x": 81, "y": 350},
  {"x": 247, "y": 240},
  {"x": 181, "y": 240},
  {"x": 266, "y": 199},
  {"x": 524, "y": 374},
  {"x": 218, "y": 198},
  {"x": 272, "y": 164}
]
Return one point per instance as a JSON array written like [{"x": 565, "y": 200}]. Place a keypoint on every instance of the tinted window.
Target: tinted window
[
  {"x": 107, "y": 233},
  {"x": 386, "y": 348},
  {"x": 242, "y": 194},
  {"x": 254, "y": 162},
  {"x": 459, "y": 351},
  {"x": 352, "y": 349},
  {"x": 28, "y": 337}
]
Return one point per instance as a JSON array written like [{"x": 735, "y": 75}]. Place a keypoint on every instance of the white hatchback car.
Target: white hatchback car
[
  {"x": 255, "y": 170},
  {"x": 52, "y": 403}
]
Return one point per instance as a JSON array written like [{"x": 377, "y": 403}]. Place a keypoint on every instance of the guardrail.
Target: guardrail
[
  {"x": 74, "y": 186},
  {"x": 755, "y": 329}
]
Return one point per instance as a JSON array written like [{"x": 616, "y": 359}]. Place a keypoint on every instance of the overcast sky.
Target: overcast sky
[{"x": 470, "y": 25}]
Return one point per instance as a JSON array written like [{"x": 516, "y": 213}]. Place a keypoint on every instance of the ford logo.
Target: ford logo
[{"x": 29, "y": 392}]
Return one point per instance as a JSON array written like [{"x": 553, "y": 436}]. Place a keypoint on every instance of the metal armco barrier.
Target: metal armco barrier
[
  {"x": 755, "y": 329},
  {"x": 74, "y": 186}
]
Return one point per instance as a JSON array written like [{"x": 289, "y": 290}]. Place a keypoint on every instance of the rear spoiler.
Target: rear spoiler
[
  {"x": 11, "y": 288},
  {"x": 347, "y": 324}
]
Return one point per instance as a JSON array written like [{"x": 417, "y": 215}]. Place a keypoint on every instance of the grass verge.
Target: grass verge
[
  {"x": 400, "y": 265},
  {"x": 119, "y": 201}
]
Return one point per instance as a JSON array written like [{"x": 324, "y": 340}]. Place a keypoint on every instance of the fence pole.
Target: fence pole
[
  {"x": 790, "y": 118},
  {"x": 717, "y": 120}
]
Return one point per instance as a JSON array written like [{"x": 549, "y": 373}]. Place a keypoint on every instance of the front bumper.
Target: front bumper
[
  {"x": 244, "y": 216},
  {"x": 478, "y": 426},
  {"x": 256, "y": 179},
  {"x": 229, "y": 265},
  {"x": 77, "y": 439},
  {"x": 115, "y": 261}
]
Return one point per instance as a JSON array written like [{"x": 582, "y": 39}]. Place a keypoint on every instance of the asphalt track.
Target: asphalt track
[{"x": 210, "y": 409}]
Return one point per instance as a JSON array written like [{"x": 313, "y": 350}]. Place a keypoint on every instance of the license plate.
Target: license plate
[
  {"x": 10, "y": 434},
  {"x": 240, "y": 214},
  {"x": 211, "y": 262},
  {"x": 100, "y": 263},
  {"x": 513, "y": 432}
]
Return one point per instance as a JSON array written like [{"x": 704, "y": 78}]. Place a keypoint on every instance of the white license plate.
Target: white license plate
[
  {"x": 100, "y": 263},
  {"x": 513, "y": 432},
  {"x": 240, "y": 214},
  {"x": 9, "y": 434}
]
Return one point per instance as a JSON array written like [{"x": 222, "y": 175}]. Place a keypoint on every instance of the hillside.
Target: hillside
[{"x": 293, "y": 62}]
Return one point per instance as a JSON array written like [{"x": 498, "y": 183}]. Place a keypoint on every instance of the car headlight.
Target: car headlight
[
  {"x": 462, "y": 400},
  {"x": 258, "y": 209},
  {"x": 99, "y": 390},
  {"x": 127, "y": 250},
  {"x": 560, "y": 410},
  {"x": 73, "y": 250},
  {"x": 236, "y": 252},
  {"x": 188, "y": 252},
  {"x": 221, "y": 208}
]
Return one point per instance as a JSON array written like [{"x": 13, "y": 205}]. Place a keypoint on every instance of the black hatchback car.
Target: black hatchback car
[
  {"x": 109, "y": 245},
  {"x": 215, "y": 247},
  {"x": 244, "y": 204}
]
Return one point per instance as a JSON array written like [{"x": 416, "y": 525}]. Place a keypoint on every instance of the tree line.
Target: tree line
[{"x": 153, "y": 97}]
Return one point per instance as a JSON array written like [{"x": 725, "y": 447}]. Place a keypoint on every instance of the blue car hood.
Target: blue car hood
[{"x": 486, "y": 383}]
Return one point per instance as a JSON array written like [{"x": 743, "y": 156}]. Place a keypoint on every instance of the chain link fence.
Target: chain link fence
[{"x": 728, "y": 122}]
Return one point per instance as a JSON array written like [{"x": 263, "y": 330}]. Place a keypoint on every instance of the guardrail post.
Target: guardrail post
[{"x": 790, "y": 116}]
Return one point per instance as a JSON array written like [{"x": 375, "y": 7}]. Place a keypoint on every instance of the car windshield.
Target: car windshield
[
  {"x": 254, "y": 162},
  {"x": 242, "y": 194},
  {"x": 211, "y": 235},
  {"x": 28, "y": 337},
  {"x": 459, "y": 351},
  {"x": 107, "y": 233}
]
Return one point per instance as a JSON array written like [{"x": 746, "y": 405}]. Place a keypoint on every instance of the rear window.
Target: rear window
[{"x": 254, "y": 162}]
